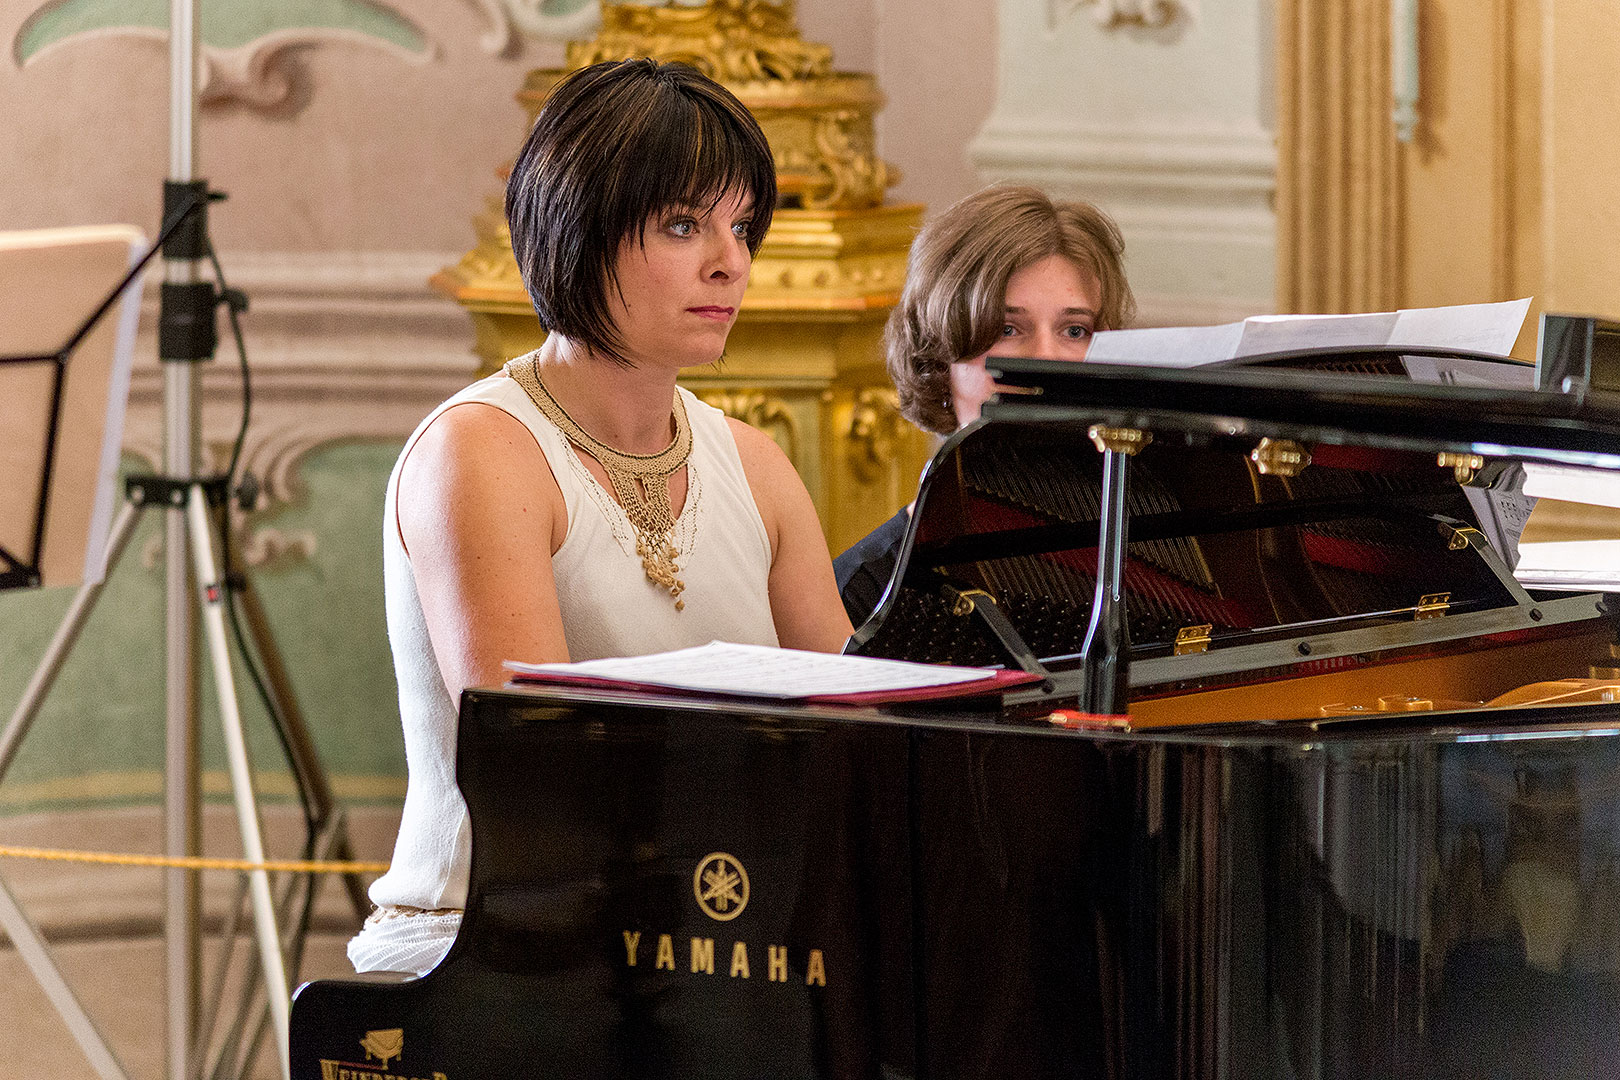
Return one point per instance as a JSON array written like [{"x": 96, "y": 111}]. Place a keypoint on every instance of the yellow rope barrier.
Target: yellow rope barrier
[{"x": 194, "y": 862}]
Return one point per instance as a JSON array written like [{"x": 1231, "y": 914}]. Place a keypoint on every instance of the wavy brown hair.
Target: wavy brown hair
[
  {"x": 614, "y": 145},
  {"x": 956, "y": 285}
]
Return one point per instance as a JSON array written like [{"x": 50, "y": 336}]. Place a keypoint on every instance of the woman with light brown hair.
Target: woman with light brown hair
[{"x": 1007, "y": 271}]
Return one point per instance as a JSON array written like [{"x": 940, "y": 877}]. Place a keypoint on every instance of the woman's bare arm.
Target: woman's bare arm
[
  {"x": 804, "y": 596},
  {"x": 480, "y": 515}
]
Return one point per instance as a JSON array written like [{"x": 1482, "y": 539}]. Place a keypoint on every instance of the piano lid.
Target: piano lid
[
  {"x": 1276, "y": 514},
  {"x": 1321, "y": 403}
]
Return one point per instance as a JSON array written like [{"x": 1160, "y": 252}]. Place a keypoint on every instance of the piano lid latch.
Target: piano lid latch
[
  {"x": 1432, "y": 606},
  {"x": 1192, "y": 639}
]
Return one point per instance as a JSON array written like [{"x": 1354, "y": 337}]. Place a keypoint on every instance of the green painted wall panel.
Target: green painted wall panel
[
  {"x": 226, "y": 25},
  {"x": 99, "y": 737}
]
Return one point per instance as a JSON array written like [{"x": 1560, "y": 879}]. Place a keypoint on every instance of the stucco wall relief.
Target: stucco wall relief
[
  {"x": 1112, "y": 13},
  {"x": 249, "y": 49}
]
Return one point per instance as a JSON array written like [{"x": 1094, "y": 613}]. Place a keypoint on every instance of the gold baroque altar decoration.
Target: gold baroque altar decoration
[{"x": 804, "y": 361}]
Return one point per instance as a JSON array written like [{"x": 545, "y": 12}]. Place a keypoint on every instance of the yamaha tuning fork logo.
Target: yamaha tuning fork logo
[{"x": 721, "y": 886}]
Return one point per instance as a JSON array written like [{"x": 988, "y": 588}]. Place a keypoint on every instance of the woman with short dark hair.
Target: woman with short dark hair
[
  {"x": 578, "y": 504},
  {"x": 1007, "y": 271}
]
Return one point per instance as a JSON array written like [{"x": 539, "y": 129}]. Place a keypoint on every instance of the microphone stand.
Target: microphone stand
[{"x": 187, "y": 336}]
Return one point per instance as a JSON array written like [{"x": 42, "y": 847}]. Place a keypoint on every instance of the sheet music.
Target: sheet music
[
  {"x": 1488, "y": 328},
  {"x": 757, "y": 670}
]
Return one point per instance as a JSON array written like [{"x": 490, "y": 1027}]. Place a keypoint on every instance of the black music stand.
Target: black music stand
[{"x": 36, "y": 549}]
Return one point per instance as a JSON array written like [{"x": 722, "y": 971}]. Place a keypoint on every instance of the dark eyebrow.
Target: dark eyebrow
[
  {"x": 1066, "y": 311},
  {"x": 705, "y": 210}
]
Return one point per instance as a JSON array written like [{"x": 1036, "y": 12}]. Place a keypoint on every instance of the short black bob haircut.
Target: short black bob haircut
[{"x": 614, "y": 145}]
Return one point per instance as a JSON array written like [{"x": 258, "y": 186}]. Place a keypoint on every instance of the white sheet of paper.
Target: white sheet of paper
[
  {"x": 724, "y": 668},
  {"x": 1600, "y": 487},
  {"x": 1167, "y": 346},
  {"x": 1286, "y": 333},
  {"x": 1489, "y": 328},
  {"x": 1486, "y": 328}
]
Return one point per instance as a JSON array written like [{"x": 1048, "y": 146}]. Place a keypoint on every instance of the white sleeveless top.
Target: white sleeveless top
[{"x": 609, "y": 608}]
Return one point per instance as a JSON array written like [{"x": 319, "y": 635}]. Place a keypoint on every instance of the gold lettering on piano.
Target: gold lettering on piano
[
  {"x": 385, "y": 1045},
  {"x": 701, "y": 960},
  {"x": 778, "y": 961},
  {"x": 348, "y": 1070},
  {"x": 703, "y": 955}
]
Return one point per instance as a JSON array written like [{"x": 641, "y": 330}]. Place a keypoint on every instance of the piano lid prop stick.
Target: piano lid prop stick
[{"x": 1102, "y": 656}]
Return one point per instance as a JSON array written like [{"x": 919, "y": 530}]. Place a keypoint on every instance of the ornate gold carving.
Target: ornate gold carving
[
  {"x": 771, "y": 415},
  {"x": 818, "y": 121},
  {"x": 856, "y": 176},
  {"x": 727, "y": 40},
  {"x": 489, "y": 270},
  {"x": 875, "y": 427},
  {"x": 1280, "y": 457},
  {"x": 1118, "y": 440}
]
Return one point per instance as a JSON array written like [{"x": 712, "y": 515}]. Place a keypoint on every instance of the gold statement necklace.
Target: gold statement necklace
[{"x": 647, "y": 503}]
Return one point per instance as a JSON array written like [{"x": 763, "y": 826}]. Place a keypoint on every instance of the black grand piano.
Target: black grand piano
[{"x": 1309, "y": 787}]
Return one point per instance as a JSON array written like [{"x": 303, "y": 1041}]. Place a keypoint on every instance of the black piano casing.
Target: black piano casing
[{"x": 994, "y": 899}]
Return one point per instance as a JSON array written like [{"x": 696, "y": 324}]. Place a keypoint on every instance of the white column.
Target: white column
[{"x": 1161, "y": 112}]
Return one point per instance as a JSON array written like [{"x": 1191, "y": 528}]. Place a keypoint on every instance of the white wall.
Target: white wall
[{"x": 1169, "y": 128}]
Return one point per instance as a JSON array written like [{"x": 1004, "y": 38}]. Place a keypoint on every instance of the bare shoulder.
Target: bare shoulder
[
  {"x": 476, "y": 462},
  {"x": 762, "y": 458},
  {"x": 470, "y": 427}
]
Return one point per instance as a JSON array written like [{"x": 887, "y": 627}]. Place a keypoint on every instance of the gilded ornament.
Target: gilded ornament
[
  {"x": 875, "y": 426},
  {"x": 771, "y": 415},
  {"x": 727, "y": 40},
  {"x": 818, "y": 121}
]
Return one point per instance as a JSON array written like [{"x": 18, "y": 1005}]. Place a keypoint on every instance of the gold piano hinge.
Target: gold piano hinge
[
  {"x": 1432, "y": 605},
  {"x": 1280, "y": 457},
  {"x": 1118, "y": 439},
  {"x": 1192, "y": 639},
  {"x": 1463, "y": 466},
  {"x": 1460, "y": 538}
]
